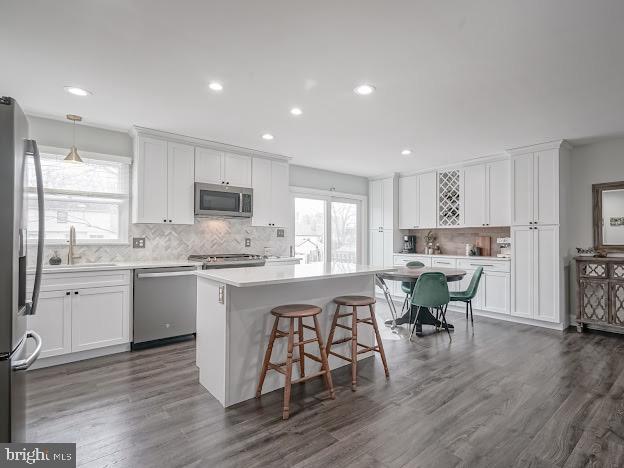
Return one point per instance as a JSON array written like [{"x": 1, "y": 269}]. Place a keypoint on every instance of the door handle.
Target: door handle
[
  {"x": 31, "y": 306},
  {"x": 24, "y": 364}
]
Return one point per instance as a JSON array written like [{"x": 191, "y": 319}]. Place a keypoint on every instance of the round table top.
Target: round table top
[{"x": 412, "y": 274}]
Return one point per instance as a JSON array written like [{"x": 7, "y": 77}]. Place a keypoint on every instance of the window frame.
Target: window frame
[
  {"x": 328, "y": 196},
  {"x": 124, "y": 199}
]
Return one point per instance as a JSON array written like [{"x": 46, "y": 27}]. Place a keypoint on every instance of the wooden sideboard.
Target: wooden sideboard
[{"x": 600, "y": 293}]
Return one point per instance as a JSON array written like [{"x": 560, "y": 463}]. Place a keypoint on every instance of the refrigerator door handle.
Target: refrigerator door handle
[
  {"x": 24, "y": 364},
  {"x": 31, "y": 306}
]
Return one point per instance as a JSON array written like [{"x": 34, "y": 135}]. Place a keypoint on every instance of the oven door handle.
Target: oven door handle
[{"x": 166, "y": 274}]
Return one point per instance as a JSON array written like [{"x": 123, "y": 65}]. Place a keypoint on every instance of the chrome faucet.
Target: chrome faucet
[{"x": 72, "y": 244}]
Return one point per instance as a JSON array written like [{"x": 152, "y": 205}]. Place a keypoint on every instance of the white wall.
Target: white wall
[
  {"x": 308, "y": 177},
  {"x": 594, "y": 163},
  {"x": 49, "y": 132},
  {"x": 591, "y": 164}
]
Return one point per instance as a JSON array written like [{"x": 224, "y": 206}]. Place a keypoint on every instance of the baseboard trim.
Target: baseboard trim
[
  {"x": 79, "y": 356},
  {"x": 492, "y": 315}
]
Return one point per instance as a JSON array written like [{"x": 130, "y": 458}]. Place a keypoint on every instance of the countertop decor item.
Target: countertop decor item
[{"x": 55, "y": 259}]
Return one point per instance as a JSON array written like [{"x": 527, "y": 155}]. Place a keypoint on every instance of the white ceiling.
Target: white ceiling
[{"x": 455, "y": 79}]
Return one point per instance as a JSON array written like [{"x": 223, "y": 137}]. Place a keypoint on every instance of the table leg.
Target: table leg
[{"x": 384, "y": 287}]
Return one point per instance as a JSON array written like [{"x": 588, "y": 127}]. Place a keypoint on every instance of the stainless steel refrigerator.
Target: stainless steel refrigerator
[{"x": 15, "y": 355}]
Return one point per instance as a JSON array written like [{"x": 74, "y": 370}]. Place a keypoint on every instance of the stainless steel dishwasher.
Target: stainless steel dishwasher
[{"x": 165, "y": 301}]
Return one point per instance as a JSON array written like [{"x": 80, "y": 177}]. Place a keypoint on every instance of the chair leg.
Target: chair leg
[
  {"x": 289, "y": 360},
  {"x": 379, "y": 342},
  {"x": 301, "y": 349},
  {"x": 324, "y": 363},
  {"x": 467, "y": 310},
  {"x": 354, "y": 348},
  {"x": 471, "y": 318},
  {"x": 404, "y": 304},
  {"x": 330, "y": 339},
  {"x": 415, "y": 321},
  {"x": 444, "y": 322},
  {"x": 267, "y": 358}
]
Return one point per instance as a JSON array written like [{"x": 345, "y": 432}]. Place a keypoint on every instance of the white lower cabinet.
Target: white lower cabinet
[
  {"x": 496, "y": 292},
  {"x": 79, "y": 312},
  {"x": 100, "y": 317},
  {"x": 53, "y": 323},
  {"x": 535, "y": 272}
]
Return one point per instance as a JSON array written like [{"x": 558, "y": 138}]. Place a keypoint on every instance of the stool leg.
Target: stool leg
[
  {"x": 324, "y": 363},
  {"x": 301, "y": 350},
  {"x": 267, "y": 358},
  {"x": 289, "y": 359},
  {"x": 330, "y": 339},
  {"x": 354, "y": 348},
  {"x": 378, "y": 337}
]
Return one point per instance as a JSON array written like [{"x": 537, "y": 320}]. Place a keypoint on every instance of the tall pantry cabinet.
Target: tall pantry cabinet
[
  {"x": 383, "y": 231},
  {"x": 540, "y": 178}
]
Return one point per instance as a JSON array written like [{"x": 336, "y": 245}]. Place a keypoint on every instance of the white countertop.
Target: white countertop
[
  {"x": 277, "y": 274},
  {"x": 107, "y": 266},
  {"x": 471, "y": 257}
]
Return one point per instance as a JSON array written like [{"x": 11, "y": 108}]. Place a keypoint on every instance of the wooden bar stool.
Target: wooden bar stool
[
  {"x": 354, "y": 302},
  {"x": 297, "y": 312}
]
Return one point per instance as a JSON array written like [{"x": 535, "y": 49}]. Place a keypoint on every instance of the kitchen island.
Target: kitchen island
[{"x": 234, "y": 320}]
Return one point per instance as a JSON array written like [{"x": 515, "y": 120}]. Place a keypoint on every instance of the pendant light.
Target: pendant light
[{"x": 73, "y": 156}]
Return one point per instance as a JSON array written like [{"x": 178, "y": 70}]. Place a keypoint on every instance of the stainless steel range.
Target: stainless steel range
[{"x": 227, "y": 260}]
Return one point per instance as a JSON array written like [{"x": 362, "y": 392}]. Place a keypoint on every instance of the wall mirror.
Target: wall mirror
[{"x": 608, "y": 204}]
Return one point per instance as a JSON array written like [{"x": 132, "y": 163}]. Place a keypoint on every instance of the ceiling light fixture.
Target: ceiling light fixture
[
  {"x": 77, "y": 91},
  {"x": 267, "y": 136},
  {"x": 73, "y": 156},
  {"x": 296, "y": 111},
  {"x": 364, "y": 89},
  {"x": 215, "y": 86},
  {"x": 406, "y": 152}
]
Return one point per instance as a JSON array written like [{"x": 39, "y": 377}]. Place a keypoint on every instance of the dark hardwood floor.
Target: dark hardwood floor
[{"x": 504, "y": 395}]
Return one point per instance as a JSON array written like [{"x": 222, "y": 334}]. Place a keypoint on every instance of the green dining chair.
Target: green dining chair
[
  {"x": 468, "y": 295},
  {"x": 407, "y": 286},
  {"x": 431, "y": 291}
]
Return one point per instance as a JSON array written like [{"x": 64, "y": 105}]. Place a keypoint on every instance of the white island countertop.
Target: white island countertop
[{"x": 278, "y": 274}]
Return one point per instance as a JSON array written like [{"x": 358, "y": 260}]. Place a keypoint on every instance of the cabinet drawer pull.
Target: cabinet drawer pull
[{"x": 481, "y": 264}]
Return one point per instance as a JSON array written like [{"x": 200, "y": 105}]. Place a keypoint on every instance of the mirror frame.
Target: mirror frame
[{"x": 597, "y": 190}]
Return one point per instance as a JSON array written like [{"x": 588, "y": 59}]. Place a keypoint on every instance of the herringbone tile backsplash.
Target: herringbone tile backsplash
[{"x": 177, "y": 242}]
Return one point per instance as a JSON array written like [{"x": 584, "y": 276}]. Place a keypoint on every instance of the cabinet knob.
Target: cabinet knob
[
  {"x": 75, "y": 292},
  {"x": 164, "y": 220},
  {"x": 223, "y": 182},
  {"x": 227, "y": 183},
  {"x": 67, "y": 293},
  {"x": 169, "y": 220}
]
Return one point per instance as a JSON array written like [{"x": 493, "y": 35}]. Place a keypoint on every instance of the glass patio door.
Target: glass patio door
[{"x": 319, "y": 219}]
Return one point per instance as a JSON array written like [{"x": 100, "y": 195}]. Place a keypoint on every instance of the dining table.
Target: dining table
[{"x": 411, "y": 275}]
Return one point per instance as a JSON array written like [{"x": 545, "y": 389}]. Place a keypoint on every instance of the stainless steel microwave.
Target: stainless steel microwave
[{"x": 223, "y": 200}]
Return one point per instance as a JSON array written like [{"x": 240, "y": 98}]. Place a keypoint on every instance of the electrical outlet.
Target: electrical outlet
[
  {"x": 138, "y": 242},
  {"x": 247, "y": 242},
  {"x": 280, "y": 233}
]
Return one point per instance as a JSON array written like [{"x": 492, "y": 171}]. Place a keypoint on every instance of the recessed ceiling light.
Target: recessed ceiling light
[
  {"x": 296, "y": 111},
  {"x": 364, "y": 89},
  {"x": 77, "y": 91},
  {"x": 215, "y": 86},
  {"x": 406, "y": 152},
  {"x": 267, "y": 136}
]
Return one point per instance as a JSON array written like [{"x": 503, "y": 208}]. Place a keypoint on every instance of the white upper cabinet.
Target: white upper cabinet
[
  {"x": 475, "y": 195},
  {"x": 498, "y": 210},
  {"x": 180, "y": 183},
  {"x": 216, "y": 167},
  {"x": 427, "y": 200},
  {"x": 163, "y": 176},
  {"x": 208, "y": 166},
  {"x": 487, "y": 194},
  {"x": 271, "y": 200},
  {"x": 418, "y": 201},
  {"x": 408, "y": 202},
  {"x": 383, "y": 202},
  {"x": 535, "y": 188},
  {"x": 546, "y": 186},
  {"x": 149, "y": 188}
]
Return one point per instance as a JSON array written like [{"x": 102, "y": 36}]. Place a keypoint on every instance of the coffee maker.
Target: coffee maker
[{"x": 409, "y": 244}]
